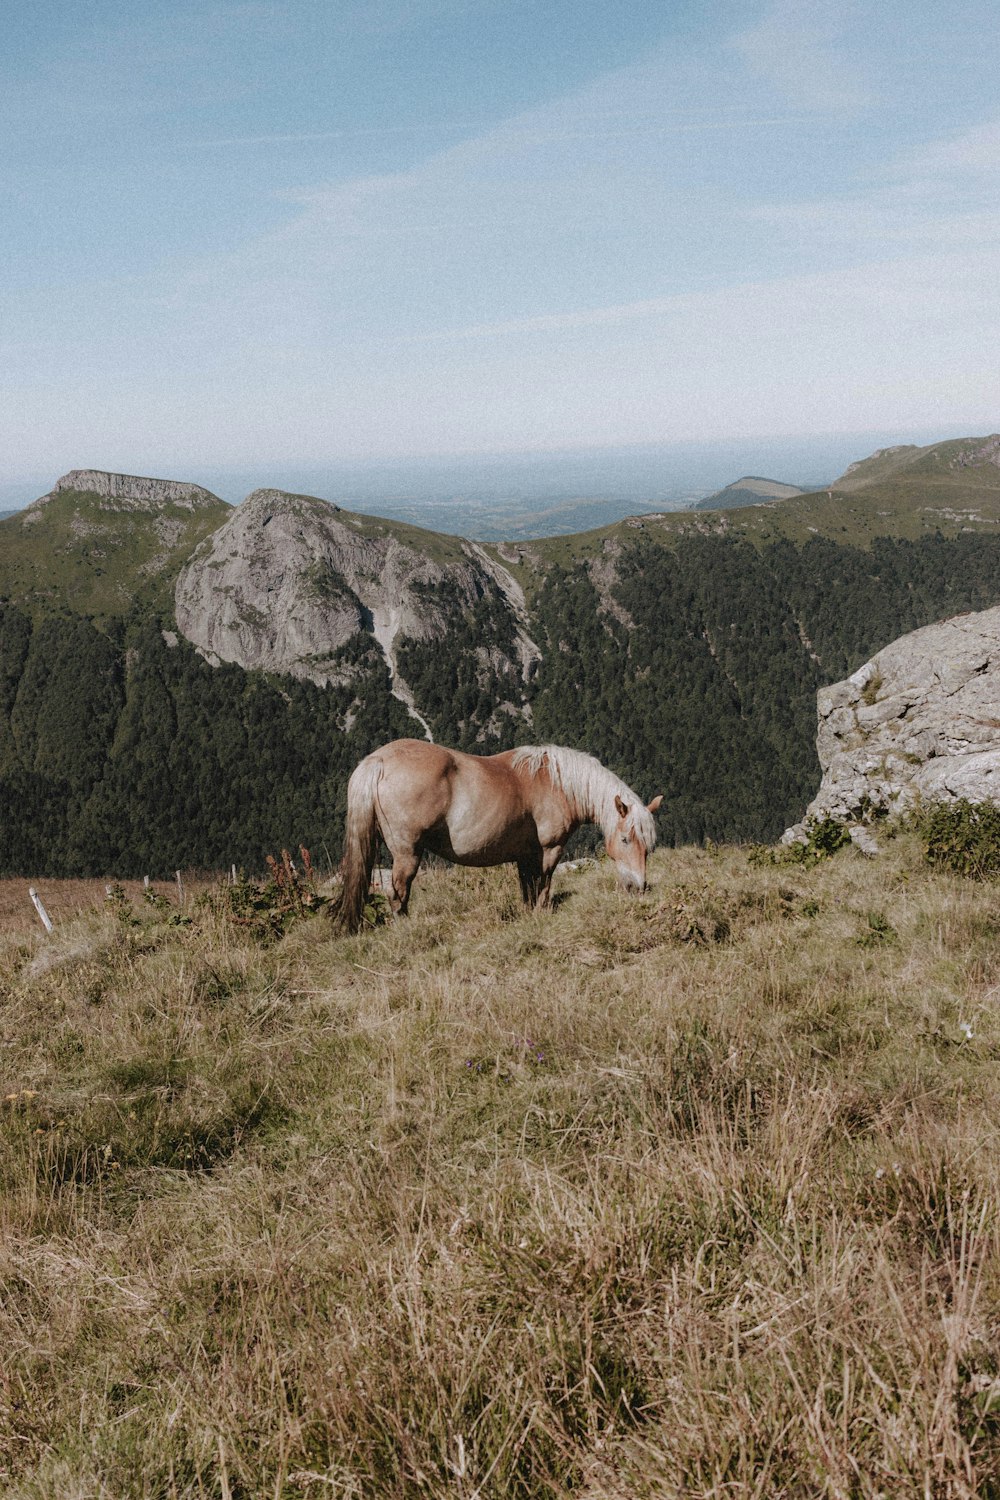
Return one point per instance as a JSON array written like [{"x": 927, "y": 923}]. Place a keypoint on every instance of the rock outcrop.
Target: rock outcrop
[
  {"x": 920, "y": 721},
  {"x": 132, "y": 491},
  {"x": 289, "y": 580}
]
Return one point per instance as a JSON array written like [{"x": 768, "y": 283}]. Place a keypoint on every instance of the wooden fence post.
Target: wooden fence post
[
  {"x": 37, "y": 903},
  {"x": 180, "y": 890}
]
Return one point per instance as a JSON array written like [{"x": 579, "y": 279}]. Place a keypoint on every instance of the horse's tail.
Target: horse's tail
[{"x": 360, "y": 842}]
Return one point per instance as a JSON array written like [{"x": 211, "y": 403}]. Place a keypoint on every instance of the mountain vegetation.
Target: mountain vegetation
[
  {"x": 100, "y": 554},
  {"x": 684, "y": 652}
]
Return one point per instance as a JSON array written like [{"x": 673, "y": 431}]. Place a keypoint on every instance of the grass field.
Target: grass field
[
  {"x": 68, "y": 899},
  {"x": 689, "y": 1195}
]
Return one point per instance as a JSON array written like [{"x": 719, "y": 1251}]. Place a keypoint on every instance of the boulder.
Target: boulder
[{"x": 919, "y": 722}]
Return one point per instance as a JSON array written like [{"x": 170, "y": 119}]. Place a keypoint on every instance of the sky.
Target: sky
[{"x": 265, "y": 234}]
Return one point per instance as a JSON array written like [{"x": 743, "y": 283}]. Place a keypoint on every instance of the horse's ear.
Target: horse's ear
[
  {"x": 621, "y": 806},
  {"x": 652, "y": 806}
]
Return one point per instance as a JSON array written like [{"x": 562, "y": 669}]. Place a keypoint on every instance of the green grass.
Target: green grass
[
  {"x": 688, "y": 1195},
  {"x": 81, "y": 553}
]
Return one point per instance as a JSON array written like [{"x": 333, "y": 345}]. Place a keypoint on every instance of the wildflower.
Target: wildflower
[
  {"x": 966, "y": 1028},
  {"x": 879, "y": 1174}
]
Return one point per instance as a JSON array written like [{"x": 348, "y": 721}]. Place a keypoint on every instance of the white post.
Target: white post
[
  {"x": 37, "y": 902},
  {"x": 180, "y": 889},
  {"x": 232, "y": 875},
  {"x": 145, "y": 882}
]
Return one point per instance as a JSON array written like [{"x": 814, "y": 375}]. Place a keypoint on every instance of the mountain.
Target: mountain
[
  {"x": 961, "y": 465},
  {"x": 750, "y": 490},
  {"x": 187, "y": 683},
  {"x": 292, "y": 584},
  {"x": 100, "y": 543},
  {"x": 946, "y": 489}
]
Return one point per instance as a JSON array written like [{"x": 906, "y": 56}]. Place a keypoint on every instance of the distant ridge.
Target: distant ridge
[
  {"x": 750, "y": 490},
  {"x": 131, "y": 491},
  {"x": 970, "y": 461}
]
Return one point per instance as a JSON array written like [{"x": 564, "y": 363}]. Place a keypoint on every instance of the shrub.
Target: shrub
[
  {"x": 266, "y": 910},
  {"x": 963, "y": 837},
  {"x": 824, "y": 837}
]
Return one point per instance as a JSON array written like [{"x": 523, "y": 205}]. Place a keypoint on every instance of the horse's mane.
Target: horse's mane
[{"x": 590, "y": 787}]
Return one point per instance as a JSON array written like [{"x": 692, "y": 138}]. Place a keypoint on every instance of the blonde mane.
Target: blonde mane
[{"x": 590, "y": 787}]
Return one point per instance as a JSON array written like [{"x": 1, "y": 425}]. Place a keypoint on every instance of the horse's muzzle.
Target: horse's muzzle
[{"x": 634, "y": 884}]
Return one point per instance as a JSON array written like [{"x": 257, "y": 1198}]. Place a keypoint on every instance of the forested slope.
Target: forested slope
[{"x": 693, "y": 673}]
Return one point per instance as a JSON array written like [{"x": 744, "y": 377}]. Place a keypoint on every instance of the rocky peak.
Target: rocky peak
[
  {"x": 288, "y": 580},
  {"x": 133, "y": 491},
  {"x": 984, "y": 451},
  {"x": 892, "y": 452}
]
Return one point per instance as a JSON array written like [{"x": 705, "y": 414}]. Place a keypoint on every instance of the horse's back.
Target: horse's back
[
  {"x": 468, "y": 808},
  {"x": 419, "y": 759}
]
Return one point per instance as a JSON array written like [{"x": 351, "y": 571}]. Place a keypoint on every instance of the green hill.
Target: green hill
[
  {"x": 946, "y": 488},
  {"x": 103, "y": 551},
  {"x": 750, "y": 490}
]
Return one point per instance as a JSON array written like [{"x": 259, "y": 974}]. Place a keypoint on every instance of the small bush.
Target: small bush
[
  {"x": 963, "y": 837},
  {"x": 266, "y": 910},
  {"x": 823, "y": 838}
]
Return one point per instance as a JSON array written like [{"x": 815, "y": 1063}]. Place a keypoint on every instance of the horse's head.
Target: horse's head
[{"x": 630, "y": 842}]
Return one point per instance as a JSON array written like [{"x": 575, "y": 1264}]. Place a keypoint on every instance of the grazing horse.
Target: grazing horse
[{"x": 519, "y": 807}]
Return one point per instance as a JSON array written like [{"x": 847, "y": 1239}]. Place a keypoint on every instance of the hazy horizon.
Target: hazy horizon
[{"x": 670, "y": 474}]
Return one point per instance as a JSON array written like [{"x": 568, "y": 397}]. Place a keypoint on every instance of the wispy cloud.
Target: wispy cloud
[
  {"x": 971, "y": 153},
  {"x": 821, "y": 299},
  {"x": 602, "y": 127},
  {"x": 939, "y": 194},
  {"x": 307, "y": 136},
  {"x": 795, "y": 50}
]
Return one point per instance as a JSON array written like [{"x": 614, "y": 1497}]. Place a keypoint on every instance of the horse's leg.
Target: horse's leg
[
  {"x": 405, "y": 864},
  {"x": 529, "y": 873},
  {"x": 550, "y": 858}
]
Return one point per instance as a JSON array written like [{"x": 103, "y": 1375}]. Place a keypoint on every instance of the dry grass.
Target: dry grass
[
  {"x": 64, "y": 899},
  {"x": 692, "y": 1195}
]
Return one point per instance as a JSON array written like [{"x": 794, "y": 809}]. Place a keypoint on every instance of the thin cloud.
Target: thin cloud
[
  {"x": 884, "y": 284},
  {"x": 307, "y": 136},
  {"x": 974, "y": 152},
  {"x": 522, "y": 134},
  {"x": 795, "y": 50}
]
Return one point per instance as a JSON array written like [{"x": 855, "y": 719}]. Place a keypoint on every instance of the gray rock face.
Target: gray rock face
[
  {"x": 132, "y": 491},
  {"x": 288, "y": 580},
  {"x": 921, "y": 720}
]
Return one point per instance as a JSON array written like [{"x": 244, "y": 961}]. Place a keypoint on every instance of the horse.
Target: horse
[{"x": 518, "y": 807}]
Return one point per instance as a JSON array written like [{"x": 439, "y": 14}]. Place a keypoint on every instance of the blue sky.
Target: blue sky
[{"x": 265, "y": 234}]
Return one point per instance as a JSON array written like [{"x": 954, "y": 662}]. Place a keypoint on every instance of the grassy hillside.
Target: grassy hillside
[
  {"x": 82, "y": 552},
  {"x": 950, "y": 488},
  {"x": 690, "y": 1195}
]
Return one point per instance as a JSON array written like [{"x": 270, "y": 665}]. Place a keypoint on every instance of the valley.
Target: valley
[{"x": 187, "y": 684}]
